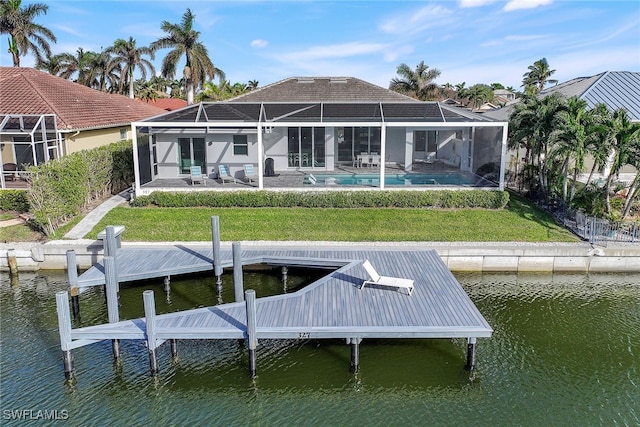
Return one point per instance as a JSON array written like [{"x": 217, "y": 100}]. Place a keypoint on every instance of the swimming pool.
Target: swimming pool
[{"x": 402, "y": 179}]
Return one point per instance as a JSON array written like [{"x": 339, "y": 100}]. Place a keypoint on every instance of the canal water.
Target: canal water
[{"x": 565, "y": 352}]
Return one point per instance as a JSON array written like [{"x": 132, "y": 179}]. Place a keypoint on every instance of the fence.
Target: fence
[{"x": 599, "y": 231}]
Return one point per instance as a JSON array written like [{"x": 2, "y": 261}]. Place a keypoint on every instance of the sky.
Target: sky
[{"x": 470, "y": 41}]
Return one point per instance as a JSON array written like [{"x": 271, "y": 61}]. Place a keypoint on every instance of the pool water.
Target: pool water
[{"x": 402, "y": 179}]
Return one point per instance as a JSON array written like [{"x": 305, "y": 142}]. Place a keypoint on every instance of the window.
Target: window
[
  {"x": 240, "y": 145},
  {"x": 432, "y": 141},
  {"x": 123, "y": 134},
  {"x": 420, "y": 140}
]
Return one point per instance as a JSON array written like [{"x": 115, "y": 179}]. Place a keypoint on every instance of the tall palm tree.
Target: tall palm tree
[
  {"x": 571, "y": 138},
  {"x": 625, "y": 142},
  {"x": 417, "y": 84},
  {"x": 537, "y": 77},
  {"x": 25, "y": 35},
  {"x": 252, "y": 84},
  {"x": 183, "y": 40},
  {"x": 129, "y": 56}
]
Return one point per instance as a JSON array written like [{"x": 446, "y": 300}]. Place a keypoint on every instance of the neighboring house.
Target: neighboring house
[
  {"x": 615, "y": 89},
  {"x": 305, "y": 128},
  {"x": 168, "y": 104},
  {"x": 43, "y": 117}
]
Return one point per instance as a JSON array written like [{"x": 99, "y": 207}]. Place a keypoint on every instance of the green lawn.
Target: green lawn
[{"x": 518, "y": 222}]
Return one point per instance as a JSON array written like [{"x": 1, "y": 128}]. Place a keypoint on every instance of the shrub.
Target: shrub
[
  {"x": 14, "y": 200},
  {"x": 330, "y": 199},
  {"x": 62, "y": 188}
]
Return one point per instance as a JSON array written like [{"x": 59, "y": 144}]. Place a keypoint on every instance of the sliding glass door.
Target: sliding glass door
[
  {"x": 306, "y": 147},
  {"x": 191, "y": 152}
]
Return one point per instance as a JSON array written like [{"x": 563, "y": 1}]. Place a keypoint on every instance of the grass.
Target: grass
[
  {"x": 520, "y": 221},
  {"x": 19, "y": 233}
]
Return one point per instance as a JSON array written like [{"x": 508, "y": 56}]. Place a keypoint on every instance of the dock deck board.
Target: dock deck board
[{"x": 332, "y": 307}]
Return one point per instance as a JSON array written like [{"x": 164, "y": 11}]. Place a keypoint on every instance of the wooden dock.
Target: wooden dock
[{"x": 334, "y": 306}]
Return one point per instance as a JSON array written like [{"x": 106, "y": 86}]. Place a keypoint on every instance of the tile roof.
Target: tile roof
[
  {"x": 322, "y": 89},
  {"x": 168, "y": 104},
  {"x": 77, "y": 107}
]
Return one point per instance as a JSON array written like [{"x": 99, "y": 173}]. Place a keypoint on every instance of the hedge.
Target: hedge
[
  {"x": 14, "y": 200},
  {"x": 329, "y": 199},
  {"x": 62, "y": 188}
]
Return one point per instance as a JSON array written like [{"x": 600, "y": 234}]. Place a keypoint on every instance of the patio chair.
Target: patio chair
[
  {"x": 312, "y": 179},
  {"x": 249, "y": 173},
  {"x": 392, "y": 282},
  {"x": 196, "y": 175},
  {"x": 9, "y": 171},
  {"x": 224, "y": 175}
]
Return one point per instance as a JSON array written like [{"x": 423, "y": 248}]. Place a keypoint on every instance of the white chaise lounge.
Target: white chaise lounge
[{"x": 376, "y": 279}]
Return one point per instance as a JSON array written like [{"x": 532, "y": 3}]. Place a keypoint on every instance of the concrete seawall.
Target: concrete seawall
[{"x": 458, "y": 256}]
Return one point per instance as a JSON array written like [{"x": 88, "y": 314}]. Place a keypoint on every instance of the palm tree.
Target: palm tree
[
  {"x": 530, "y": 126},
  {"x": 129, "y": 56},
  {"x": 80, "y": 65},
  {"x": 625, "y": 141},
  {"x": 176, "y": 89},
  {"x": 146, "y": 90},
  {"x": 479, "y": 94},
  {"x": 537, "y": 77},
  {"x": 571, "y": 137},
  {"x": 51, "y": 65},
  {"x": 417, "y": 84},
  {"x": 252, "y": 84},
  {"x": 25, "y": 35},
  {"x": 183, "y": 40}
]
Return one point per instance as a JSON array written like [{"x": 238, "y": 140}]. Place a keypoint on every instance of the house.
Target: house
[
  {"x": 44, "y": 117},
  {"x": 615, "y": 89},
  {"x": 328, "y": 132},
  {"x": 168, "y": 104}
]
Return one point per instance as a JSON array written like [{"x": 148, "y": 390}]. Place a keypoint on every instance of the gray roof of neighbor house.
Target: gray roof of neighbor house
[
  {"x": 615, "y": 89},
  {"x": 322, "y": 89}
]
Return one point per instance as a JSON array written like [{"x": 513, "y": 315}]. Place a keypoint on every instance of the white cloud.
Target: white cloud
[
  {"x": 345, "y": 50},
  {"x": 259, "y": 43},
  {"x": 525, "y": 4},
  {"x": 523, "y": 38},
  {"x": 475, "y": 3},
  {"x": 68, "y": 30},
  {"x": 416, "y": 20}
]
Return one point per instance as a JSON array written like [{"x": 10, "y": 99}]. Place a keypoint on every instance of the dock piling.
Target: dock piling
[
  {"x": 72, "y": 277},
  {"x": 471, "y": 354},
  {"x": 215, "y": 239},
  {"x": 237, "y": 271},
  {"x": 150, "y": 318},
  {"x": 64, "y": 327},
  {"x": 167, "y": 285},
  {"x": 174, "y": 347},
  {"x": 12, "y": 260},
  {"x": 285, "y": 272},
  {"x": 111, "y": 284},
  {"x": 252, "y": 339},
  {"x": 355, "y": 354}
]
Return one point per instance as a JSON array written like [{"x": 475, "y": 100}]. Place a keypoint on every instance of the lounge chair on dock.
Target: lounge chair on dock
[{"x": 394, "y": 282}]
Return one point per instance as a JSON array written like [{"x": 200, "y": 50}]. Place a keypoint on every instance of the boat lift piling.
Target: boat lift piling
[
  {"x": 111, "y": 278},
  {"x": 237, "y": 271},
  {"x": 215, "y": 239},
  {"x": 150, "y": 321},
  {"x": 72, "y": 277},
  {"x": 64, "y": 327},
  {"x": 252, "y": 327}
]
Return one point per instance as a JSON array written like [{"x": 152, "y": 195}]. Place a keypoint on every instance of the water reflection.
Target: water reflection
[{"x": 564, "y": 352}]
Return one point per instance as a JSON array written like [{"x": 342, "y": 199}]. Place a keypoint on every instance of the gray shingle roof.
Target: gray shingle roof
[{"x": 322, "y": 89}]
